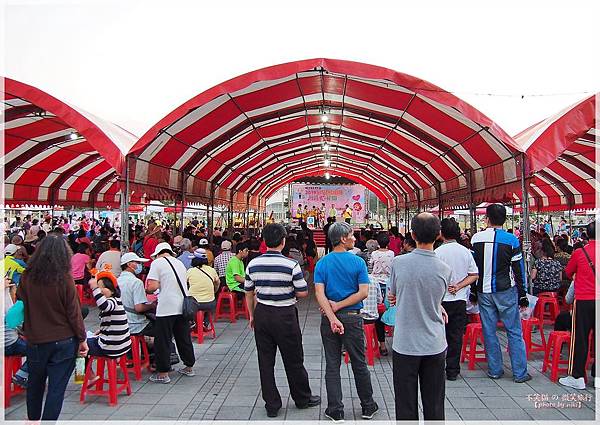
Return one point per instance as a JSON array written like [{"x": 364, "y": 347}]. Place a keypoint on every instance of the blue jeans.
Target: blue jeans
[
  {"x": 503, "y": 306},
  {"x": 18, "y": 348},
  {"x": 55, "y": 362}
]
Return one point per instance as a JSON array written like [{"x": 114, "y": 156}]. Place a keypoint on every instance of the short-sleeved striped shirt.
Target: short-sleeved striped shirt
[{"x": 275, "y": 278}]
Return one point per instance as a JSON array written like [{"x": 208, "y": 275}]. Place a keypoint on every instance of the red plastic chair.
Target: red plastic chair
[
  {"x": 549, "y": 299},
  {"x": 141, "y": 358},
  {"x": 474, "y": 355},
  {"x": 556, "y": 340},
  {"x": 11, "y": 365},
  {"x": 372, "y": 345},
  {"x": 527, "y": 328},
  {"x": 115, "y": 386},
  {"x": 226, "y": 299},
  {"x": 199, "y": 331}
]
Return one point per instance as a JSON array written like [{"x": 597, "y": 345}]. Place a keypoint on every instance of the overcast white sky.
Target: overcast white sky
[{"x": 132, "y": 62}]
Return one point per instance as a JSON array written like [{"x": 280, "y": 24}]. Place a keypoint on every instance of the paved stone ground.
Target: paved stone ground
[{"x": 227, "y": 387}]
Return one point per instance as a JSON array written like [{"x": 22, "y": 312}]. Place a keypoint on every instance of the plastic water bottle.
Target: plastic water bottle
[{"x": 79, "y": 370}]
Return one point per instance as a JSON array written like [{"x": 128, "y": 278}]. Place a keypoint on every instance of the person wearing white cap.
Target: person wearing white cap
[
  {"x": 169, "y": 275},
  {"x": 133, "y": 294},
  {"x": 203, "y": 282},
  {"x": 209, "y": 254}
]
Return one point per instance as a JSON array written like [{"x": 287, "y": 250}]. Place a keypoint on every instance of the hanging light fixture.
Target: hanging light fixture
[
  {"x": 73, "y": 135},
  {"x": 327, "y": 175},
  {"x": 327, "y": 162},
  {"x": 326, "y": 147}
]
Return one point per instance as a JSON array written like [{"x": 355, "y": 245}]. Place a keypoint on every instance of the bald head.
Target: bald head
[{"x": 425, "y": 228}]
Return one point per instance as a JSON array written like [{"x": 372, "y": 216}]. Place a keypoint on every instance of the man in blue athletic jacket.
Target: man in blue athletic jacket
[{"x": 500, "y": 290}]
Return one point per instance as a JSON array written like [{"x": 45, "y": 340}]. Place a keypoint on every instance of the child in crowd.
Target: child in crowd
[{"x": 113, "y": 339}]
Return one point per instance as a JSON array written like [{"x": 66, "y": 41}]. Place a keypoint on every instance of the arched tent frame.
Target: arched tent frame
[
  {"x": 57, "y": 154},
  {"x": 409, "y": 141},
  {"x": 562, "y": 151}
]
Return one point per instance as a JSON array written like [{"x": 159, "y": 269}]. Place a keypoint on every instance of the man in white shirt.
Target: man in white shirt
[
  {"x": 168, "y": 274},
  {"x": 464, "y": 273}
]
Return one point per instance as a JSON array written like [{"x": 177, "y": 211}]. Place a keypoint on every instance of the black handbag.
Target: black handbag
[{"x": 189, "y": 308}]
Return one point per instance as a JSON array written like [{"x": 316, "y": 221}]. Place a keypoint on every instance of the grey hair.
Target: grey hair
[
  {"x": 185, "y": 244},
  {"x": 339, "y": 230}
]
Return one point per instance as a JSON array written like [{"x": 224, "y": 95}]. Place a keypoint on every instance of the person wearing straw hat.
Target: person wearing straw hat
[{"x": 168, "y": 274}]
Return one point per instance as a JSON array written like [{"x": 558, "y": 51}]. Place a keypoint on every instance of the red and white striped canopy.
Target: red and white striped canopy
[
  {"x": 562, "y": 152},
  {"x": 58, "y": 154},
  {"x": 403, "y": 138}
]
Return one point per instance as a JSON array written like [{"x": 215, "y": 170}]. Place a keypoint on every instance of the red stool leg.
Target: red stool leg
[
  {"x": 137, "y": 361},
  {"x": 200, "y": 326},
  {"x": 112, "y": 381},
  {"x": 547, "y": 352},
  {"x": 212, "y": 332},
  {"x": 232, "y": 315},
  {"x": 8, "y": 361},
  {"x": 126, "y": 381},
  {"x": 346, "y": 358}
]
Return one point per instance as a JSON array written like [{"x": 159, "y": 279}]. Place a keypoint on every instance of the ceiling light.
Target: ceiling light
[
  {"x": 327, "y": 163},
  {"x": 324, "y": 118},
  {"x": 325, "y": 146},
  {"x": 327, "y": 175},
  {"x": 73, "y": 136}
]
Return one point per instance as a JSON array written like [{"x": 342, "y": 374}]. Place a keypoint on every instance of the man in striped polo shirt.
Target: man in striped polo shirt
[{"x": 277, "y": 282}]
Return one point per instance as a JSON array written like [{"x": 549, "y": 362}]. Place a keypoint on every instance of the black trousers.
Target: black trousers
[
  {"x": 165, "y": 328},
  {"x": 455, "y": 328},
  {"x": 584, "y": 322},
  {"x": 409, "y": 372},
  {"x": 278, "y": 327}
]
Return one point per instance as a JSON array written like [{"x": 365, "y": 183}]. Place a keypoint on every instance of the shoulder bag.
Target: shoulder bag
[{"x": 189, "y": 307}]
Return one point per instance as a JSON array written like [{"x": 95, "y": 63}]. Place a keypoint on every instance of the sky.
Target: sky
[{"x": 133, "y": 62}]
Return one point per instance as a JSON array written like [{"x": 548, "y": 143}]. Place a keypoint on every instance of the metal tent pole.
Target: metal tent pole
[
  {"x": 440, "y": 209},
  {"x": 183, "y": 182},
  {"x": 247, "y": 215},
  {"x": 526, "y": 230},
  {"x": 125, "y": 210},
  {"x": 472, "y": 210}
]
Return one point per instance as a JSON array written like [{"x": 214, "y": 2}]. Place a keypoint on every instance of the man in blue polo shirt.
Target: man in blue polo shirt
[{"x": 341, "y": 284}]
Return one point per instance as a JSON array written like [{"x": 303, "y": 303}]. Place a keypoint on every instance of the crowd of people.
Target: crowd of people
[{"x": 428, "y": 278}]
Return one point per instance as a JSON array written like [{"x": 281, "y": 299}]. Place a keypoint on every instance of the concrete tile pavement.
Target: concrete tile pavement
[{"x": 227, "y": 387}]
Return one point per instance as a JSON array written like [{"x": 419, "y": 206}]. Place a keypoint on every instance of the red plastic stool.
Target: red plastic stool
[
  {"x": 140, "y": 359},
  {"x": 590, "y": 357},
  {"x": 556, "y": 340},
  {"x": 389, "y": 331},
  {"x": 549, "y": 299},
  {"x": 473, "y": 334},
  {"x": 474, "y": 318},
  {"x": 372, "y": 345},
  {"x": 199, "y": 331},
  {"x": 527, "y": 326},
  {"x": 226, "y": 296},
  {"x": 241, "y": 309},
  {"x": 115, "y": 386},
  {"x": 11, "y": 365}
]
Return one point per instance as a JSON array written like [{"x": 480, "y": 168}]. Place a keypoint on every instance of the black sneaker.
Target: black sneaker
[
  {"x": 272, "y": 413},
  {"x": 336, "y": 417},
  {"x": 369, "y": 412},
  {"x": 451, "y": 377},
  {"x": 523, "y": 379},
  {"x": 313, "y": 401}
]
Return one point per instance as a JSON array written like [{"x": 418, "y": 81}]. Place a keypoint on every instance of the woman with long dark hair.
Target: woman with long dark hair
[{"x": 53, "y": 325}]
